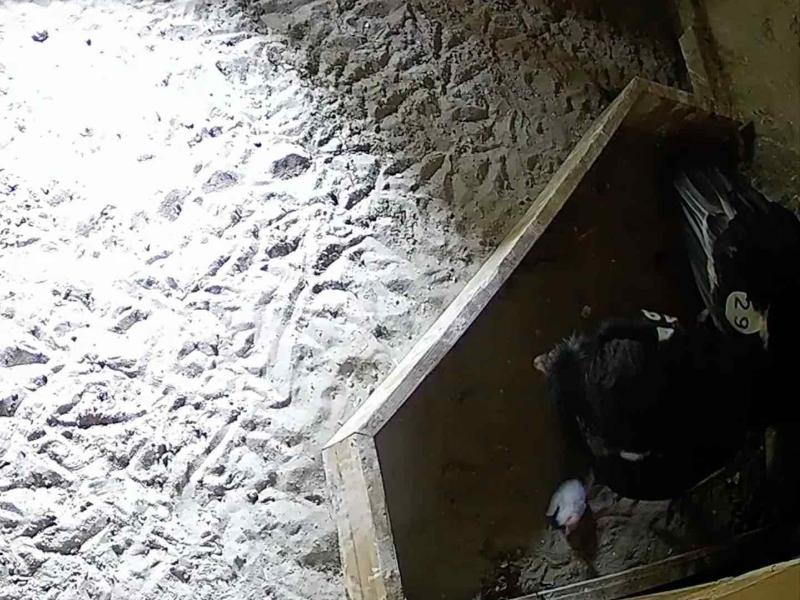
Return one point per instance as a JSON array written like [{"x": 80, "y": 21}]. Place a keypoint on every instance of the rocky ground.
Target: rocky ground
[{"x": 222, "y": 224}]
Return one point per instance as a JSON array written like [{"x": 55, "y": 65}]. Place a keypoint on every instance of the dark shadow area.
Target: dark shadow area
[{"x": 656, "y": 18}]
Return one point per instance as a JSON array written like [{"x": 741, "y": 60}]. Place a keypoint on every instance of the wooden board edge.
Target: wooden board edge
[
  {"x": 701, "y": 57},
  {"x": 640, "y": 579},
  {"x": 729, "y": 585},
  {"x": 366, "y": 544},
  {"x": 696, "y": 66},
  {"x": 659, "y": 90}
]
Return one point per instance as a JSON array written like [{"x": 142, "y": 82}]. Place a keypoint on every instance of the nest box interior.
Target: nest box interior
[{"x": 454, "y": 457}]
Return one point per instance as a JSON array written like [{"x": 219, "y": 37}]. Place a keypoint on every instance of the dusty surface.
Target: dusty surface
[{"x": 220, "y": 228}]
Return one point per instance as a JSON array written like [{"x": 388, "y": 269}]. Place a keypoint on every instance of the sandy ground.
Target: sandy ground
[{"x": 221, "y": 225}]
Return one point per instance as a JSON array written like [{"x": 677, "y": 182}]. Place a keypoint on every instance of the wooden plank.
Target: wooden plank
[
  {"x": 694, "y": 55},
  {"x": 366, "y": 546},
  {"x": 780, "y": 581},
  {"x": 701, "y": 57},
  {"x": 375, "y": 412},
  {"x": 645, "y": 577}
]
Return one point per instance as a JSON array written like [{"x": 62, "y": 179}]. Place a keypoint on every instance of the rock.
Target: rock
[
  {"x": 430, "y": 166},
  {"x": 220, "y": 180},
  {"x": 245, "y": 259},
  {"x": 15, "y": 356},
  {"x": 204, "y": 133},
  {"x": 9, "y": 405},
  {"x": 470, "y": 114},
  {"x": 368, "y": 170},
  {"x": 218, "y": 263},
  {"x": 268, "y": 482},
  {"x": 283, "y": 248},
  {"x": 398, "y": 166},
  {"x": 40, "y": 36},
  {"x": 281, "y": 403},
  {"x": 95, "y": 406},
  {"x": 181, "y": 573},
  {"x": 247, "y": 346},
  {"x": 391, "y": 103},
  {"x": 129, "y": 321},
  {"x": 31, "y": 471},
  {"x": 74, "y": 294},
  {"x": 37, "y": 382},
  {"x": 37, "y": 524},
  {"x": 67, "y": 539},
  {"x": 172, "y": 205},
  {"x": 324, "y": 553},
  {"x": 36, "y": 434},
  {"x": 30, "y": 559},
  {"x": 126, "y": 366},
  {"x": 291, "y": 165},
  {"x": 331, "y": 252}
]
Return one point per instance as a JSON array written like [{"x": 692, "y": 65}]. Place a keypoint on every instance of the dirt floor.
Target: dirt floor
[{"x": 222, "y": 224}]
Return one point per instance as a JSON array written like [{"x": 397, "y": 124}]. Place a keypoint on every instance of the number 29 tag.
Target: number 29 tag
[{"x": 741, "y": 314}]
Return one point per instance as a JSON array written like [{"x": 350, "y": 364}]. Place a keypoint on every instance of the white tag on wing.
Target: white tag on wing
[
  {"x": 664, "y": 333},
  {"x": 658, "y": 318},
  {"x": 741, "y": 314}
]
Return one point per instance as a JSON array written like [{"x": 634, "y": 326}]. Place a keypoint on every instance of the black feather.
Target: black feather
[
  {"x": 625, "y": 393},
  {"x": 739, "y": 241}
]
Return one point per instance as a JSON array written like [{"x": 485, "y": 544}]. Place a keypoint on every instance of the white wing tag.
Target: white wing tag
[
  {"x": 658, "y": 318},
  {"x": 741, "y": 314},
  {"x": 664, "y": 333}
]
